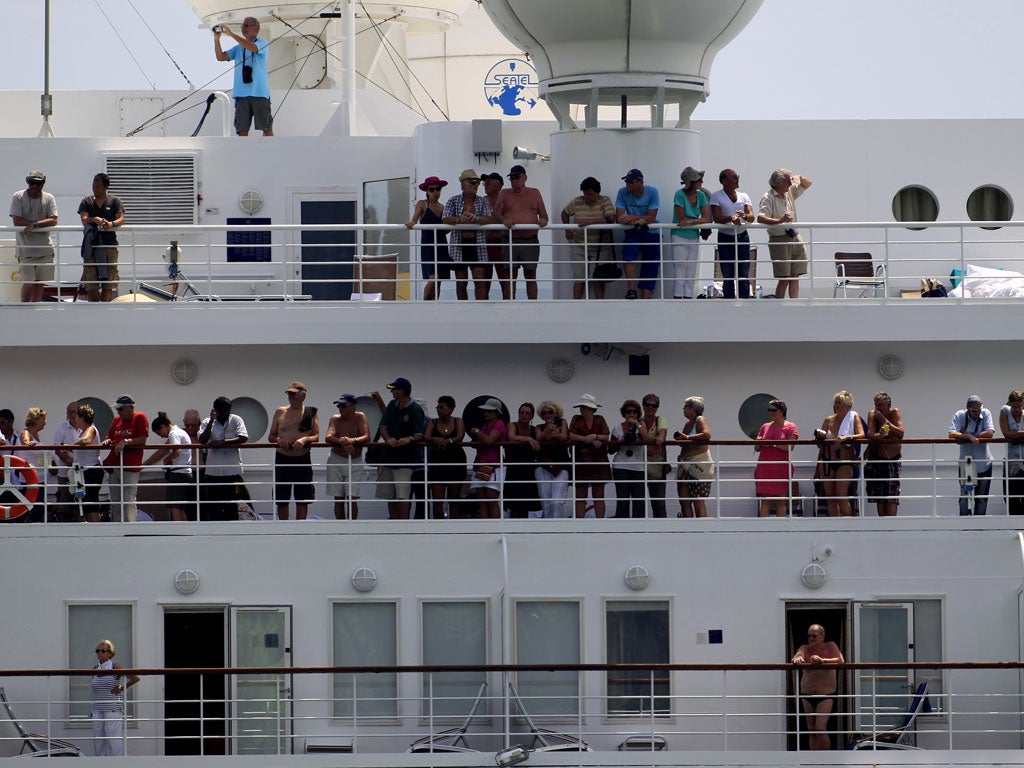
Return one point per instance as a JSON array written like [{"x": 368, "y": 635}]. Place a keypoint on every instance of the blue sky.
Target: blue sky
[{"x": 837, "y": 59}]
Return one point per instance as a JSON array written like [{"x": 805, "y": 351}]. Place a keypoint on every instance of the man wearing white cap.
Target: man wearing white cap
[{"x": 32, "y": 209}]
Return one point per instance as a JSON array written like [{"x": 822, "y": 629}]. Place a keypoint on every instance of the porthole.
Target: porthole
[
  {"x": 915, "y": 203},
  {"x": 753, "y": 413},
  {"x": 253, "y": 414},
  {"x": 102, "y": 413},
  {"x": 474, "y": 417},
  {"x": 989, "y": 203}
]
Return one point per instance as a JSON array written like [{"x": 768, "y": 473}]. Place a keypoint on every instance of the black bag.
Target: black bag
[
  {"x": 375, "y": 452},
  {"x": 607, "y": 271}
]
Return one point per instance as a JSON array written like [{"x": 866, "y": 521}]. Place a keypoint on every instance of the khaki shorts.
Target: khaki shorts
[
  {"x": 394, "y": 483},
  {"x": 33, "y": 271},
  {"x": 789, "y": 257},
  {"x": 89, "y": 276},
  {"x": 595, "y": 252}
]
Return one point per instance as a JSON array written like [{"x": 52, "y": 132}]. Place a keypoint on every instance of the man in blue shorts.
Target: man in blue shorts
[
  {"x": 251, "y": 87},
  {"x": 637, "y": 206}
]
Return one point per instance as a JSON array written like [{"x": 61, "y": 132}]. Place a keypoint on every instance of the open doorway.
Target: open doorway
[
  {"x": 194, "y": 712},
  {"x": 834, "y": 617}
]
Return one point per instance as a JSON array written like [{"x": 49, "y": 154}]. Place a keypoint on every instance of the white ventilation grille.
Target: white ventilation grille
[{"x": 155, "y": 189}]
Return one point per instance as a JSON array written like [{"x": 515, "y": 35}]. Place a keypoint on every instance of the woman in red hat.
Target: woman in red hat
[{"x": 434, "y": 258}]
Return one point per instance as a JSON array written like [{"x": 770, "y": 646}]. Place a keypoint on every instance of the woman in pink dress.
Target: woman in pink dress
[{"x": 774, "y": 473}]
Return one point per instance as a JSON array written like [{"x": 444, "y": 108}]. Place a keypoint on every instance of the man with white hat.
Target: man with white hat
[
  {"x": 470, "y": 246},
  {"x": 33, "y": 209}
]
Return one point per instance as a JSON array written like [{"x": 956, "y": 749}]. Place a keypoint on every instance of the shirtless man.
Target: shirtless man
[
  {"x": 882, "y": 457},
  {"x": 294, "y": 430},
  {"x": 347, "y": 433},
  {"x": 522, "y": 205},
  {"x": 818, "y": 686}
]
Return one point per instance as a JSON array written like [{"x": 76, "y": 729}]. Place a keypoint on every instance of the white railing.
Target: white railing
[
  {"x": 383, "y": 261},
  {"x": 600, "y": 708},
  {"x": 930, "y": 487}
]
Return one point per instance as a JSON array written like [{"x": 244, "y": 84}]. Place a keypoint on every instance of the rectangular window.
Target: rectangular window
[
  {"x": 87, "y": 625},
  {"x": 637, "y": 633},
  {"x": 453, "y": 633},
  {"x": 548, "y": 632},
  {"x": 365, "y": 634},
  {"x": 896, "y": 632}
]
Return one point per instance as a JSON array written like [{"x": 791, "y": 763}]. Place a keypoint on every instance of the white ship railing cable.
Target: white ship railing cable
[
  {"x": 725, "y": 707},
  {"x": 389, "y": 255},
  {"x": 930, "y": 485}
]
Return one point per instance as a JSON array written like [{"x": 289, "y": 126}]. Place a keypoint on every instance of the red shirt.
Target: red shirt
[{"x": 137, "y": 425}]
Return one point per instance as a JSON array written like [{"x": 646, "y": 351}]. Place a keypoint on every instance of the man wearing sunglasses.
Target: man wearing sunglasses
[
  {"x": 469, "y": 245},
  {"x": 33, "y": 209}
]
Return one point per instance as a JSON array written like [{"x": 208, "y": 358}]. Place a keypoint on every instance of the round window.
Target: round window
[
  {"x": 915, "y": 203},
  {"x": 988, "y": 203}
]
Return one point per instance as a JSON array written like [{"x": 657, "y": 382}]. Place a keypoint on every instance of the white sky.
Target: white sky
[{"x": 836, "y": 58}]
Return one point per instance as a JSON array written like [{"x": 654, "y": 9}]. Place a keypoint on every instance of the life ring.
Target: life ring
[{"x": 26, "y": 499}]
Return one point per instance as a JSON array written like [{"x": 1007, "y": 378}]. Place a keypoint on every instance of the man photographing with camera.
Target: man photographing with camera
[{"x": 251, "y": 87}]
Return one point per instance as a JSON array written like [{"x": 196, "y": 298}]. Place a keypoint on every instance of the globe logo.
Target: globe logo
[{"x": 511, "y": 85}]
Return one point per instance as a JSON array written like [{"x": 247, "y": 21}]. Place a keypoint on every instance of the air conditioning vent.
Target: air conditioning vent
[{"x": 155, "y": 189}]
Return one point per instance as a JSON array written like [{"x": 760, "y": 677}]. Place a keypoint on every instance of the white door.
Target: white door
[
  {"x": 261, "y": 637},
  {"x": 885, "y": 633}
]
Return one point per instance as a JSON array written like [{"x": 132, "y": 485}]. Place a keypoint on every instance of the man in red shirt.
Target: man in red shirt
[
  {"x": 125, "y": 438},
  {"x": 522, "y": 205}
]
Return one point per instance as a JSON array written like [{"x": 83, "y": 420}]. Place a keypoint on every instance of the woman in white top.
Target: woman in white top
[
  {"x": 35, "y": 421},
  {"x": 107, "y": 704},
  {"x": 629, "y": 461},
  {"x": 86, "y": 460}
]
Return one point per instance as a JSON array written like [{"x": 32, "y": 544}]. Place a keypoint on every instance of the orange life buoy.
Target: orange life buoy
[{"x": 27, "y": 499}]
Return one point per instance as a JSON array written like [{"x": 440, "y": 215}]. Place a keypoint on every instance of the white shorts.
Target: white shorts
[
  {"x": 497, "y": 477},
  {"x": 344, "y": 475}
]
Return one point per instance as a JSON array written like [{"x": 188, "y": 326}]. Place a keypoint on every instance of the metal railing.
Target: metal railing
[
  {"x": 383, "y": 261},
  {"x": 930, "y": 486},
  {"x": 472, "y": 709}
]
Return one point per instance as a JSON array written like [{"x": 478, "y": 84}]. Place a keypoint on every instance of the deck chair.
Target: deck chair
[
  {"x": 855, "y": 270},
  {"x": 453, "y": 739},
  {"x": 898, "y": 737},
  {"x": 543, "y": 739},
  {"x": 36, "y": 744}
]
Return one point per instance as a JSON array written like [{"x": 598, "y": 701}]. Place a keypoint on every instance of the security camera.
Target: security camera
[
  {"x": 633, "y": 349},
  {"x": 525, "y": 153},
  {"x": 585, "y": 349}
]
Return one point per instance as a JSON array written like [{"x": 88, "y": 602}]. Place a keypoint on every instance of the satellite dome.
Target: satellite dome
[{"x": 650, "y": 52}]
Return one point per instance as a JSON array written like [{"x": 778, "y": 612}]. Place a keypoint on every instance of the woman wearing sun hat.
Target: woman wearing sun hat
[
  {"x": 589, "y": 435},
  {"x": 434, "y": 258}
]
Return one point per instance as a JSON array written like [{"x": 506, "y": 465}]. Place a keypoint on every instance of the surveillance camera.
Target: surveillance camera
[
  {"x": 585, "y": 349},
  {"x": 525, "y": 153}
]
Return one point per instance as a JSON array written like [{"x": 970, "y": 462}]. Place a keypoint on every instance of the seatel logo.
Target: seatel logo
[{"x": 511, "y": 85}]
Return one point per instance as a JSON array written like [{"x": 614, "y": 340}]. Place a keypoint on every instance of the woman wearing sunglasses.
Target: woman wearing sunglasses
[
  {"x": 435, "y": 261},
  {"x": 108, "y": 702}
]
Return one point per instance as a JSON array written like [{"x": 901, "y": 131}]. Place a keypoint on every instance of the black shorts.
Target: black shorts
[
  {"x": 293, "y": 474},
  {"x": 249, "y": 107}
]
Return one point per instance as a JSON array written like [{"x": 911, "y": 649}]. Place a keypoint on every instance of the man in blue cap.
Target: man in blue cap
[
  {"x": 347, "y": 433},
  {"x": 636, "y": 206}
]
